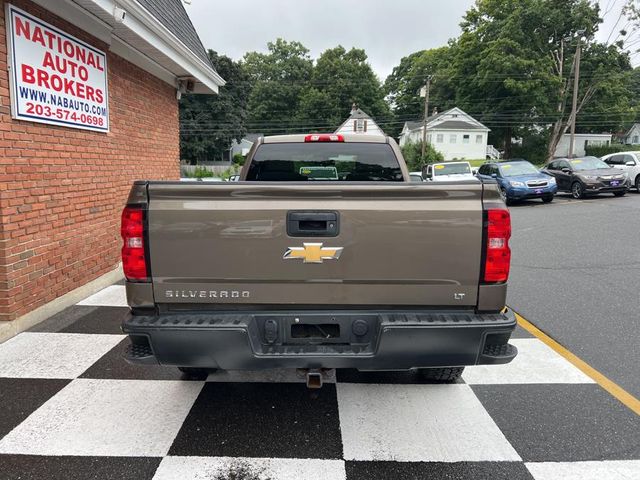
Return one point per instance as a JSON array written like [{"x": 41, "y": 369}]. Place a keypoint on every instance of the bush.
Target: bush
[
  {"x": 239, "y": 159},
  {"x": 412, "y": 153},
  {"x": 533, "y": 149},
  {"x": 602, "y": 150},
  {"x": 202, "y": 172}
]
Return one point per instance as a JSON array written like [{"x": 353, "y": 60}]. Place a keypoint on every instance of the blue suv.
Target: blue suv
[{"x": 520, "y": 180}]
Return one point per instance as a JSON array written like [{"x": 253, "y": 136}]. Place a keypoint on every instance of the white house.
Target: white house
[
  {"x": 632, "y": 137},
  {"x": 582, "y": 141},
  {"x": 359, "y": 122},
  {"x": 244, "y": 145},
  {"x": 454, "y": 133}
]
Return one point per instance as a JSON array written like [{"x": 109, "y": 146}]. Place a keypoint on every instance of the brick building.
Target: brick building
[{"x": 88, "y": 103}]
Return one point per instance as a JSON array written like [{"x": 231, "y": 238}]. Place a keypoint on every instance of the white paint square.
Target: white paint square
[
  {"x": 535, "y": 363},
  {"x": 112, "y": 296},
  {"x": 197, "y": 468},
  {"x": 53, "y": 355},
  {"x": 418, "y": 423},
  {"x": 128, "y": 418}
]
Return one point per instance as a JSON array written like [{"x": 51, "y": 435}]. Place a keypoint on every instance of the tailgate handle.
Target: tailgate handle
[{"x": 313, "y": 224}]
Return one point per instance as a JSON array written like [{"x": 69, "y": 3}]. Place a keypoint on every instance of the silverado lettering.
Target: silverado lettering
[{"x": 206, "y": 294}]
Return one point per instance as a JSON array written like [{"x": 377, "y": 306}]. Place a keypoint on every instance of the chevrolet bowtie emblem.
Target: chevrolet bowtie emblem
[{"x": 313, "y": 253}]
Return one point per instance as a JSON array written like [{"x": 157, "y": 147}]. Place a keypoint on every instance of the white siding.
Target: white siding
[
  {"x": 458, "y": 149},
  {"x": 372, "y": 128},
  {"x": 562, "y": 150},
  {"x": 634, "y": 135}
]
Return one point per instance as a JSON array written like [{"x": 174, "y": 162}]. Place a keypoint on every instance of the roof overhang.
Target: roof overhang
[{"x": 141, "y": 39}]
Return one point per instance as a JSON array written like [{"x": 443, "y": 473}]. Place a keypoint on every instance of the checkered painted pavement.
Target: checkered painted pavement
[{"x": 71, "y": 408}]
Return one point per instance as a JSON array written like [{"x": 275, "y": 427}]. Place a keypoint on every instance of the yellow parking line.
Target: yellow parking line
[{"x": 613, "y": 388}]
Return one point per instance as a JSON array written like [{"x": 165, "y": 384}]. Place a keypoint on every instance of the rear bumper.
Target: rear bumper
[{"x": 366, "y": 340}]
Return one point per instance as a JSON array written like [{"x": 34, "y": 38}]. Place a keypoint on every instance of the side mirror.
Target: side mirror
[
  {"x": 494, "y": 175},
  {"x": 630, "y": 163},
  {"x": 566, "y": 170}
]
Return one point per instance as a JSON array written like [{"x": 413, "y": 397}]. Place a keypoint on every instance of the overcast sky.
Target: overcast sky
[{"x": 387, "y": 29}]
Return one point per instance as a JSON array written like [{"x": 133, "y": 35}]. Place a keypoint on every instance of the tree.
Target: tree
[
  {"x": 279, "y": 78},
  {"x": 208, "y": 123},
  {"x": 341, "y": 78},
  {"x": 412, "y": 153},
  {"x": 513, "y": 64},
  {"x": 403, "y": 85}
]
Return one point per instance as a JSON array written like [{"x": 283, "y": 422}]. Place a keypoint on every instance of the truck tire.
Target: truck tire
[
  {"x": 577, "y": 190},
  {"x": 196, "y": 373},
  {"x": 450, "y": 374},
  {"x": 547, "y": 198}
]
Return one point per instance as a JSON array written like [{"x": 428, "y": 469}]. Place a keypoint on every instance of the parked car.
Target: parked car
[
  {"x": 520, "y": 180},
  {"x": 448, "y": 172},
  {"x": 234, "y": 178},
  {"x": 627, "y": 161},
  {"x": 416, "y": 176},
  {"x": 587, "y": 176}
]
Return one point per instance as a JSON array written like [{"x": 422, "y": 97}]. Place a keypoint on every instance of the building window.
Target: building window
[
  {"x": 465, "y": 138},
  {"x": 429, "y": 138},
  {"x": 360, "y": 125},
  {"x": 439, "y": 138},
  {"x": 478, "y": 138},
  {"x": 453, "y": 138},
  {"x": 634, "y": 140}
]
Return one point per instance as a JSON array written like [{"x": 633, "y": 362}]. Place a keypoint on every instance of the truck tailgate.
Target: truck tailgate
[{"x": 223, "y": 244}]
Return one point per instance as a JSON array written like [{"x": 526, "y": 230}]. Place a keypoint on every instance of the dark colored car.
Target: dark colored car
[
  {"x": 520, "y": 180},
  {"x": 587, "y": 176}
]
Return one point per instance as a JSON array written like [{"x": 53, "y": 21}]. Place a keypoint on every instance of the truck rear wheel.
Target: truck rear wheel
[
  {"x": 196, "y": 373},
  {"x": 450, "y": 374}
]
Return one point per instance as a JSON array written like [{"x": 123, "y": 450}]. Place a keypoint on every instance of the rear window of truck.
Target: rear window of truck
[{"x": 325, "y": 162}]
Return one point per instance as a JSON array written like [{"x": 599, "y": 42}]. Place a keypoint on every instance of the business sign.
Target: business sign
[{"x": 55, "y": 78}]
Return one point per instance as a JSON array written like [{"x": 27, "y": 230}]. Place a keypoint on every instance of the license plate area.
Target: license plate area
[
  {"x": 318, "y": 329},
  {"x": 315, "y": 330}
]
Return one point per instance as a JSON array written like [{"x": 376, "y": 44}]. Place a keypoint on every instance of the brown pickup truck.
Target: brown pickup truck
[{"x": 324, "y": 255}]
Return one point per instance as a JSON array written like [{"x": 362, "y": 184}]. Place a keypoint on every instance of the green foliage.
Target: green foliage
[
  {"x": 279, "y": 78},
  {"x": 292, "y": 95},
  {"x": 601, "y": 150},
  {"x": 232, "y": 170},
  {"x": 533, "y": 149},
  {"x": 239, "y": 159},
  {"x": 208, "y": 123},
  {"x": 412, "y": 153},
  {"x": 201, "y": 172},
  {"x": 511, "y": 69},
  {"x": 403, "y": 85},
  {"x": 341, "y": 78}
]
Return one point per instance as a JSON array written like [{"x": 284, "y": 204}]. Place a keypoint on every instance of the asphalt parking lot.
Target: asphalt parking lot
[
  {"x": 574, "y": 274},
  {"x": 73, "y": 409}
]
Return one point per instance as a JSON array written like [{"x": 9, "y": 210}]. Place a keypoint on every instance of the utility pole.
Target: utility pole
[
  {"x": 576, "y": 84},
  {"x": 424, "y": 91}
]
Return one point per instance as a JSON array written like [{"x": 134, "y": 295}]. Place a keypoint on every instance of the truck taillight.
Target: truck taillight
[
  {"x": 324, "y": 137},
  {"x": 497, "y": 254},
  {"x": 134, "y": 261}
]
